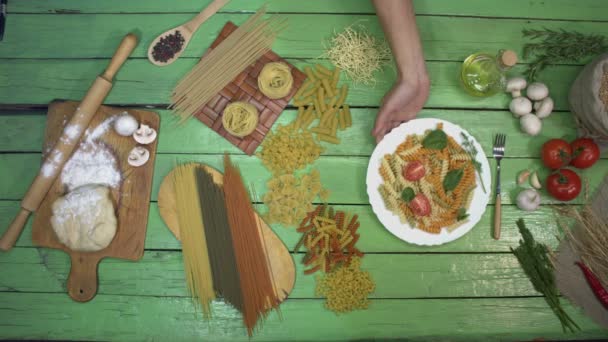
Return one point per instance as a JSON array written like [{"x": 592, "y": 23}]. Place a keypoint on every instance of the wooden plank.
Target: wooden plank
[
  {"x": 17, "y": 170},
  {"x": 374, "y": 238},
  {"x": 126, "y": 318},
  {"x": 561, "y": 9},
  {"x": 19, "y": 132},
  {"x": 161, "y": 273},
  {"x": 139, "y": 82},
  {"x": 443, "y": 38}
]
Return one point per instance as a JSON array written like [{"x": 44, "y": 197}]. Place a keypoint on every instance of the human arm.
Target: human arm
[{"x": 411, "y": 89}]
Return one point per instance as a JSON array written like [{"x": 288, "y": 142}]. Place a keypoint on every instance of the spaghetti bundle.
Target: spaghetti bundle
[
  {"x": 275, "y": 80},
  {"x": 222, "y": 64},
  {"x": 240, "y": 118},
  {"x": 194, "y": 244},
  {"x": 259, "y": 294}
]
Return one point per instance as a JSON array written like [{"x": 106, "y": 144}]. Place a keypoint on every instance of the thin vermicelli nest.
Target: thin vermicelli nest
[
  {"x": 275, "y": 80},
  {"x": 358, "y": 53},
  {"x": 240, "y": 118}
]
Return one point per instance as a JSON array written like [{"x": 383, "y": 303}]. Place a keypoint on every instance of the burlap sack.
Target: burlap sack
[{"x": 590, "y": 112}]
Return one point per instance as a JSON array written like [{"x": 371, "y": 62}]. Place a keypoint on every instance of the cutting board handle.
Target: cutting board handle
[{"x": 82, "y": 282}]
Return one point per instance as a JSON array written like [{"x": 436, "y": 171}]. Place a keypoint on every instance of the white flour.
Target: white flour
[{"x": 93, "y": 162}]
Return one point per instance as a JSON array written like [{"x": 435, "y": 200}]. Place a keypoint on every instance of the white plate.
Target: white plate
[{"x": 391, "y": 221}]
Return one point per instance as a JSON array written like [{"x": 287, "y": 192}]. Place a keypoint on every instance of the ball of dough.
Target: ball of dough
[
  {"x": 84, "y": 219},
  {"x": 125, "y": 125}
]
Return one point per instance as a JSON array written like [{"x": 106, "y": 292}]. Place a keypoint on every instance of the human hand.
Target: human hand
[{"x": 402, "y": 103}]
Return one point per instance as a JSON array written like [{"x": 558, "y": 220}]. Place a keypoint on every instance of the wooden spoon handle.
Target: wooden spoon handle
[
  {"x": 205, "y": 14},
  {"x": 82, "y": 282},
  {"x": 127, "y": 45},
  {"x": 14, "y": 230}
]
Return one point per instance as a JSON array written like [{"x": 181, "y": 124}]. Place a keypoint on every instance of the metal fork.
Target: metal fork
[{"x": 498, "y": 151}]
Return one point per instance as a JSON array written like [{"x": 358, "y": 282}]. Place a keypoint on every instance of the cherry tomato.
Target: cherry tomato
[
  {"x": 556, "y": 153},
  {"x": 414, "y": 171},
  {"x": 564, "y": 185},
  {"x": 420, "y": 205},
  {"x": 585, "y": 153}
]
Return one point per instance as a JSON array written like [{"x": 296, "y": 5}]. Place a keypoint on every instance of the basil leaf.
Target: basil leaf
[
  {"x": 462, "y": 214},
  {"x": 451, "y": 180},
  {"x": 408, "y": 194},
  {"x": 435, "y": 140}
]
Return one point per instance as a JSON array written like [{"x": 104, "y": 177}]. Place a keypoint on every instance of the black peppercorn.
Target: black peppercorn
[{"x": 167, "y": 47}]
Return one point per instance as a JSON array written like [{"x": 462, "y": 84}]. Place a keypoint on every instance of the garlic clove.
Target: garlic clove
[
  {"x": 534, "y": 181},
  {"x": 523, "y": 177},
  {"x": 528, "y": 200},
  {"x": 144, "y": 134},
  {"x": 138, "y": 156}
]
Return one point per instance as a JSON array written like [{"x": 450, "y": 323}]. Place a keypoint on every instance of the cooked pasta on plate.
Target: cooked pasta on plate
[{"x": 423, "y": 182}]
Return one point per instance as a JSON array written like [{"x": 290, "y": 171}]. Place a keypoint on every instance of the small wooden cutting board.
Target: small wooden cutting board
[
  {"x": 280, "y": 265},
  {"x": 131, "y": 200}
]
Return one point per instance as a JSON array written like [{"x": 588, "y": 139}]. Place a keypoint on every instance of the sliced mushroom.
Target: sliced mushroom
[
  {"x": 544, "y": 107},
  {"x": 537, "y": 91},
  {"x": 144, "y": 134},
  {"x": 138, "y": 156},
  {"x": 520, "y": 106},
  {"x": 515, "y": 85}
]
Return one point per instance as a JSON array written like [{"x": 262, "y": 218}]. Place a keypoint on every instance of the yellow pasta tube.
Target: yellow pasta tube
[
  {"x": 323, "y": 70},
  {"x": 308, "y": 72},
  {"x": 321, "y": 99},
  {"x": 299, "y": 116},
  {"x": 304, "y": 86},
  {"x": 343, "y": 94},
  {"x": 328, "y": 88},
  {"x": 341, "y": 120},
  {"x": 347, "y": 116},
  {"x": 317, "y": 105},
  {"x": 327, "y": 115},
  {"x": 332, "y": 103},
  {"x": 303, "y": 101},
  {"x": 334, "y": 126},
  {"x": 328, "y": 138},
  {"x": 310, "y": 92},
  {"x": 320, "y": 130},
  {"x": 309, "y": 119}
]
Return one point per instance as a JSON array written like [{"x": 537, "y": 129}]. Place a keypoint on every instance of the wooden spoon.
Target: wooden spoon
[{"x": 187, "y": 30}]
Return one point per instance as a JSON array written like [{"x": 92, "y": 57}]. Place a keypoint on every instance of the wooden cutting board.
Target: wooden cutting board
[
  {"x": 131, "y": 200},
  {"x": 280, "y": 266}
]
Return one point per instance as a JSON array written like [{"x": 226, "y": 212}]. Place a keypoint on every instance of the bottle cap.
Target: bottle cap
[{"x": 508, "y": 58}]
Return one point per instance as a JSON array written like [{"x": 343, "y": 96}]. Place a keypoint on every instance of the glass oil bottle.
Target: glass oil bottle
[{"x": 483, "y": 74}]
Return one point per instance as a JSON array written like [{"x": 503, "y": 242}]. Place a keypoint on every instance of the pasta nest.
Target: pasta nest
[
  {"x": 240, "y": 118},
  {"x": 275, "y": 80}
]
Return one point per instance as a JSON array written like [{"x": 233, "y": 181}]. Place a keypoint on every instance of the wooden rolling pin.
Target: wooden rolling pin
[{"x": 64, "y": 147}]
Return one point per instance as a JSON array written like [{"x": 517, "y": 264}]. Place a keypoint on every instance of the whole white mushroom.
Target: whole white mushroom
[
  {"x": 544, "y": 107},
  {"x": 515, "y": 85},
  {"x": 520, "y": 106},
  {"x": 537, "y": 91},
  {"x": 530, "y": 124}
]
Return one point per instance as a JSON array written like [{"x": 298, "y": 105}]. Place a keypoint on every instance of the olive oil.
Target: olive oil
[{"x": 483, "y": 74}]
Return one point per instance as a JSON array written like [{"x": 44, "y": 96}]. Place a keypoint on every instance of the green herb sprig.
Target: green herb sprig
[
  {"x": 559, "y": 46},
  {"x": 471, "y": 150},
  {"x": 534, "y": 258}
]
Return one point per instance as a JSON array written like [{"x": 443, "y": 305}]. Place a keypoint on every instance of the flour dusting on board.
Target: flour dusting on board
[{"x": 93, "y": 162}]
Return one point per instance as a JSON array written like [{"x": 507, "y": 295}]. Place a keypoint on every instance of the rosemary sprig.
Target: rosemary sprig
[
  {"x": 559, "y": 46},
  {"x": 534, "y": 258},
  {"x": 471, "y": 150}
]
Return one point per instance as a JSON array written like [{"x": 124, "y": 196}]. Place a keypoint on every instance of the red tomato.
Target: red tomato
[
  {"x": 420, "y": 205},
  {"x": 585, "y": 153},
  {"x": 414, "y": 171},
  {"x": 556, "y": 153},
  {"x": 564, "y": 185}
]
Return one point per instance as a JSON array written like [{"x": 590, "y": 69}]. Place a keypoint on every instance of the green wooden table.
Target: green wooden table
[{"x": 470, "y": 289}]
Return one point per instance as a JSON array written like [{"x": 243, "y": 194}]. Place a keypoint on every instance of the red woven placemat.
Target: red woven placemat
[{"x": 245, "y": 88}]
